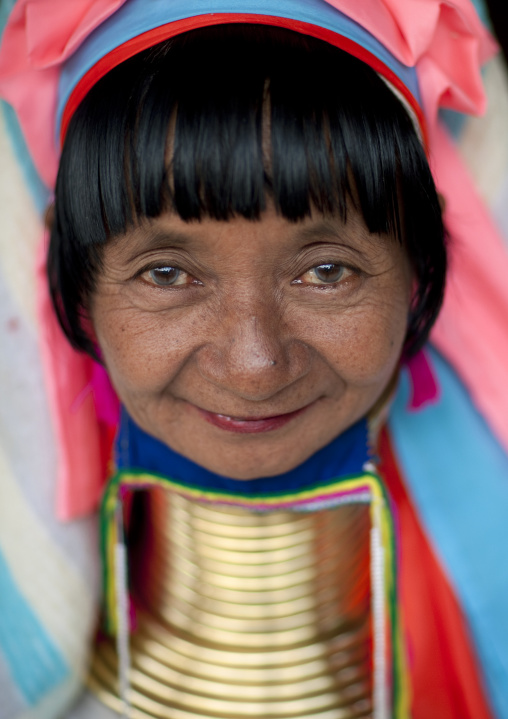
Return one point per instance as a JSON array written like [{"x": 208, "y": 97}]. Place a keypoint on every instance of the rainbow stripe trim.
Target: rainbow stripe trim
[{"x": 363, "y": 488}]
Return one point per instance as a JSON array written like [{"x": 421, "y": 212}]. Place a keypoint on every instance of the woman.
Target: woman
[{"x": 252, "y": 247}]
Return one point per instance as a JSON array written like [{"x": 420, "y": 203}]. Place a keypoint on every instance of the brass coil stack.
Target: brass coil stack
[{"x": 244, "y": 614}]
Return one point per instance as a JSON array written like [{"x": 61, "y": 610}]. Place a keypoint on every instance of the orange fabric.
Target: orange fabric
[{"x": 445, "y": 678}]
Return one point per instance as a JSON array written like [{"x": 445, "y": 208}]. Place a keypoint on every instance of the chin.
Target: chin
[{"x": 252, "y": 464}]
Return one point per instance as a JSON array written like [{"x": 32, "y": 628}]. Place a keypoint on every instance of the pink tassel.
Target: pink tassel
[{"x": 424, "y": 386}]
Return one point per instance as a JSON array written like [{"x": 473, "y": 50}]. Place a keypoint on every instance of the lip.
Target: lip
[{"x": 250, "y": 425}]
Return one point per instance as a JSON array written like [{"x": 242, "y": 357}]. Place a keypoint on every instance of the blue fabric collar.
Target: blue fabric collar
[{"x": 346, "y": 455}]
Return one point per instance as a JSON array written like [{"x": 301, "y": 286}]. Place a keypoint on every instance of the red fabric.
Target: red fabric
[
  {"x": 445, "y": 679},
  {"x": 164, "y": 32}
]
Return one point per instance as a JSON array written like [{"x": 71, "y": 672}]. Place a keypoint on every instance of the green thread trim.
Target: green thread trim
[{"x": 138, "y": 479}]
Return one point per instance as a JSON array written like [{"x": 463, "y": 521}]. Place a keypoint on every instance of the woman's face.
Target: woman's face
[{"x": 247, "y": 346}]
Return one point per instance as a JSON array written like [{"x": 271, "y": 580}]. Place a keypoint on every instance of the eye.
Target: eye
[
  {"x": 167, "y": 276},
  {"x": 328, "y": 273}
]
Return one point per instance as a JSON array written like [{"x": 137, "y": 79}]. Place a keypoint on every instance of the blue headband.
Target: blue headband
[{"x": 136, "y": 17}]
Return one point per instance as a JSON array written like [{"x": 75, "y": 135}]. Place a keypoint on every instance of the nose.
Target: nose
[{"x": 252, "y": 352}]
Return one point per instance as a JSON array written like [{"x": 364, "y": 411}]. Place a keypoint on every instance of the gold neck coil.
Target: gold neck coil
[{"x": 244, "y": 614}]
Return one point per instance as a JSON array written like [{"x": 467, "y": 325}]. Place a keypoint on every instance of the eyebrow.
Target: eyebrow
[
  {"x": 324, "y": 227},
  {"x": 151, "y": 239},
  {"x": 338, "y": 231}
]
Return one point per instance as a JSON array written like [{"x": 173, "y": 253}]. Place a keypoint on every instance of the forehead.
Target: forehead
[{"x": 271, "y": 237}]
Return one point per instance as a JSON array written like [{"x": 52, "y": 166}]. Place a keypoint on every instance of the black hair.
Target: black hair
[{"x": 244, "y": 113}]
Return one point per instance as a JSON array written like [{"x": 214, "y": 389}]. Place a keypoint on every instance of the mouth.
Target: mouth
[{"x": 250, "y": 425}]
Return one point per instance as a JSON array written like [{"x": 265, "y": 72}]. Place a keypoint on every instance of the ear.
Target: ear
[
  {"x": 89, "y": 330},
  {"x": 49, "y": 217},
  {"x": 442, "y": 202}
]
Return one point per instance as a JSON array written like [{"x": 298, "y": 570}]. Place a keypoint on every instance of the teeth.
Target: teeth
[{"x": 242, "y": 419}]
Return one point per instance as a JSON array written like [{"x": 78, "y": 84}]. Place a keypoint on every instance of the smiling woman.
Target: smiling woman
[
  {"x": 247, "y": 239},
  {"x": 205, "y": 278},
  {"x": 248, "y": 361}
]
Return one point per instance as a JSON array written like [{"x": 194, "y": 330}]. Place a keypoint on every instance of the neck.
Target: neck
[
  {"x": 345, "y": 455},
  {"x": 247, "y": 610}
]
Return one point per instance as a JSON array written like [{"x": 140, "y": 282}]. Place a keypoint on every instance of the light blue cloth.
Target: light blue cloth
[{"x": 33, "y": 661}]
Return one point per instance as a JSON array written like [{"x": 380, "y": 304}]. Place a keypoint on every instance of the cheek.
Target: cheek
[
  {"x": 143, "y": 351},
  {"x": 363, "y": 344}
]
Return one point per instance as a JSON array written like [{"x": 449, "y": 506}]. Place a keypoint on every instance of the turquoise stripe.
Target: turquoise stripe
[
  {"x": 35, "y": 663},
  {"x": 457, "y": 474},
  {"x": 38, "y": 190},
  {"x": 5, "y": 10},
  {"x": 483, "y": 12}
]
